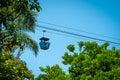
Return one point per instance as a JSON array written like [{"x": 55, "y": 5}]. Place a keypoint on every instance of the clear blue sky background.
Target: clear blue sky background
[{"x": 96, "y": 16}]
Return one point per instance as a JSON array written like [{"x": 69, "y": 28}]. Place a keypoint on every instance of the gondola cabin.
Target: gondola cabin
[{"x": 44, "y": 43}]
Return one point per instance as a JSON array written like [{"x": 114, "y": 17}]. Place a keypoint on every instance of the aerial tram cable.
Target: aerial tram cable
[
  {"x": 68, "y": 36},
  {"x": 61, "y": 34},
  {"x": 79, "y": 30},
  {"x": 74, "y": 34}
]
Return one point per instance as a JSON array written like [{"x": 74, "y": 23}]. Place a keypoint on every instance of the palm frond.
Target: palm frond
[
  {"x": 27, "y": 41},
  {"x": 27, "y": 22}
]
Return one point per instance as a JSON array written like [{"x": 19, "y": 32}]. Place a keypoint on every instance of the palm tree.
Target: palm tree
[{"x": 18, "y": 17}]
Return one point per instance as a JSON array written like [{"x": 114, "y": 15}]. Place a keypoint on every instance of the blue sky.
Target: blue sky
[{"x": 96, "y": 16}]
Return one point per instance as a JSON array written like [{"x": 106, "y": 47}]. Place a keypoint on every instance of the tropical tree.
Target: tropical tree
[
  {"x": 52, "y": 73},
  {"x": 13, "y": 69},
  {"x": 17, "y": 17},
  {"x": 93, "y": 62}
]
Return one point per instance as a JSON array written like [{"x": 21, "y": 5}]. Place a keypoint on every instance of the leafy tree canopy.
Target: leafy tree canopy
[
  {"x": 17, "y": 17},
  {"x": 92, "y": 62},
  {"x": 13, "y": 69},
  {"x": 52, "y": 73}
]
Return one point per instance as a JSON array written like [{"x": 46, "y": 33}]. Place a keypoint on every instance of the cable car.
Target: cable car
[{"x": 44, "y": 42}]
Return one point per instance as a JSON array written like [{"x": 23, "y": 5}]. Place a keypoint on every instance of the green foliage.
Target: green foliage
[
  {"x": 17, "y": 17},
  {"x": 95, "y": 62},
  {"x": 52, "y": 73},
  {"x": 71, "y": 48},
  {"x": 12, "y": 68}
]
